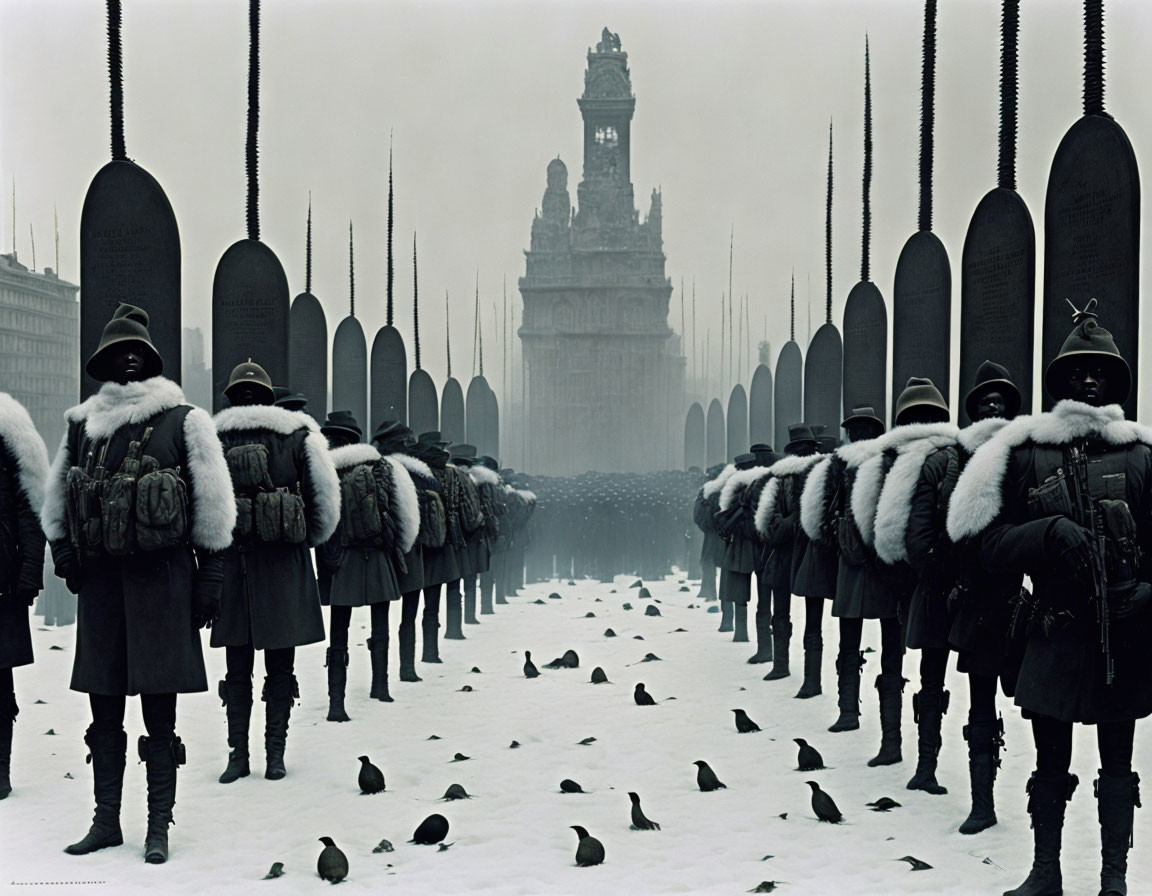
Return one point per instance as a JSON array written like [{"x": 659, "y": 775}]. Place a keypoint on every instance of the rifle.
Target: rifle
[{"x": 1089, "y": 513}]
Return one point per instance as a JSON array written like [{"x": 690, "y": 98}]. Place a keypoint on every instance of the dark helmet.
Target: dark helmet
[
  {"x": 920, "y": 394},
  {"x": 128, "y": 324},
  {"x": 992, "y": 377},
  {"x": 1089, "y": 343},
  {"x": 251, "y": 372},
  {"x": 342, "y": 424}
]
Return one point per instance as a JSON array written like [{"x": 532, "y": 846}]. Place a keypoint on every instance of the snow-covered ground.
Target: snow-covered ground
[{"x": 513, "y": 837}]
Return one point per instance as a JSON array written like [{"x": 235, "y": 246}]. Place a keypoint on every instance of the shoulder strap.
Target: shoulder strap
[{"x": 1047, "y": 461}]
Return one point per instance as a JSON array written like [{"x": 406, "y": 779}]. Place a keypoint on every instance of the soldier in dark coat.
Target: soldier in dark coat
[
  {"x": 703, "y": 516},
  {"x": 491, "y": 491},
  {"x": 778, "y": 518},
  {"x": 710, "y": 492},
  {"x": 743, "y": 546},
  {"x": 137, "y": 508},
  {"x": 956, "y": 603},
  {"x": 395, "y": 441},
  {"x": 473, "y": 554},
  {"x": 1065, "y": 497},
  {"x": 379, "y": 520},
  {"x": 23, "y": 471},
  {"x": 288, "y": 500}
]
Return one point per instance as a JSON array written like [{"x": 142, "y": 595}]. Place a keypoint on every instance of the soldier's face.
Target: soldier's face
[
  {"x": 1088, "y": 382},
  {"x": 246, "y": 394},
  {"x": 127, "y": 363},
  {"x": 993, "y": 404}
]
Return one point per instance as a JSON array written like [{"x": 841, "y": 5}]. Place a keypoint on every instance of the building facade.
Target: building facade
[
  {"x": 604, "y": 373},
  {"x": 39, "y": 344}
]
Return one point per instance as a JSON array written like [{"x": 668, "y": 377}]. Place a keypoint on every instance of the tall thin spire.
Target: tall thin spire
[
  {"x": 447, "y": 335},
  {"x": 475, "y": 321},
  {"x": 480, "y": 333},
  {"x": 351, "y": 274},
  {"x": 927, "y": 114},
  {"x": 504, "y": 344},
  {"x": 391, "y": 270},
  {"x": 308, "y": 249},
  {"x": 1093, "y": 57},
  {"x": 415, "y": 304},
  {"x": 116, "y": 81},
  {"x": 867, "y": 204},
  {"x": 56, "y": 231},
  {"x": 32, "y": 237},
  {"x": 731, "y": 240},
  {"x": 827, "y": 244},
  {"x": 251, "y": 151},
  {"x": 723, "y": 327},
  {"x": 1009, "y": 42},
  {"x": 694, "y": 334},
  {"x": 740, "y": 342},
  {"x": 792, "y": 309},
  {"x": 13, "y": 217}
]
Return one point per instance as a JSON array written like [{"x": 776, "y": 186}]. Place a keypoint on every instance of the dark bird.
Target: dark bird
[
  {"x": 917, "y": 864},
  {"x": 433, "y": 737},
  {"x": 608, "y": 633},
  {"x": 807, "y": 760},
  {"x": 644, "y": 592},
  {"x": 570, "y": 659},
  {"x": 765, "y": 886},
  {"x": 884, "y": 804},
  {"x": 467, "y": 689},
  {"x": 599, "y": 676},
  {"x": 639, "y": 821},
  {"x": 459, "y": 757},
  {"x": 476, "y": 669},
  {"x": 641, "y": 696},
  {"x": 626, "y": 606},
  {"x": 587, "y": 741},
  {"x": 744, "y": 724},
  {"x": 370, "y": 779},
  {"x": 276, "y": 870},
  {"x": 570, "y": 786},
  {"x": 332, "y": 864},
  {"x": 456, "y": 792},
  {"x": 530, "y": 670},
  {"x": 444, "y": 847},
  {"x": 651, "y": 610},
  {"x": 432, "y": 829},
  {"x": 589, "y": 851},
  {"x": 706, "y": 778},
  {"x": 554, "y": 596},
  {"x": 383, "y": 846},
  {"x": 514, "y": 745},
  {"x": 650, "y": 658},
  {"x": 823, "y": 805},
  {"x": 589, "y": 615},
  {"x": 539, "y": 601},
  {"x": 637, "y": 584}
]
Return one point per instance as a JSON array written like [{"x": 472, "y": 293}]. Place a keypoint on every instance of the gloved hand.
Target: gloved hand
[
  {"x": 206, "y": 588},
  {"x": 66, "y": 564},
  {"x": 1071, "y": 547}
]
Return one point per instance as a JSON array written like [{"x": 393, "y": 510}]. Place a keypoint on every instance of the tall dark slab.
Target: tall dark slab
[
  {"x": 350, "y": 373},
  {"x": 865, "y": 349},
  {"x": 716, "y": 443},
  {"x": 737, "y": 421},
  {"x": 480, "y": 422},
  {"x": 789, "y": 393},
  {"x": 1092, "y": 239},
  {"x": 308, "y": 354},
  {"x": 997, "y": 290},
  {"x": 822, "y": 379},
  {"x": 922, "y": 314},
  {"x": 492, "y": 423},
  {"x": 249, "y": 314},
  {"x": 452, "y": 411},
  {"x": 423, "y": 405},
  {"x": 389, "y": 377},
  {"x": 129, "y": 252},
  {"x": 695, "y": 438},
  {"x": 760, "y": 407}
]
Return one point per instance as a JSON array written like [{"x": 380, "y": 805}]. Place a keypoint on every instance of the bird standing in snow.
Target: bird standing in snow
[
  {"x": 823, "y": 805},
  {"x": 370, "y": 779},
  {"x": 530, "y": 670},
  {"x": 807, "y": 759},
  {"x": 744, "y": 724},
  {"x": 639, "y": 821},
  {"x": 332, "y": 864},
  {"x": 642, "y": 697},
  {"x": 589, "y": 850},
  {"x": 706, "y": 779}
]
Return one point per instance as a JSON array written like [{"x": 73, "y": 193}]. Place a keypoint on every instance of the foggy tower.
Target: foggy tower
[{"x": 604, "y": 374}]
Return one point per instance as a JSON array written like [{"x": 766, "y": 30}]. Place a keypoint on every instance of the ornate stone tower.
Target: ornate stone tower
[{"x": 604, "y": 374}]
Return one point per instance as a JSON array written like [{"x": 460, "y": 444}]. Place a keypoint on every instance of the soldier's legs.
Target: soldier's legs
[
  {"x": 849, "y": 662},
  {"x": 985, "y": 736},
  {"x": 890, "y": 689},
  {"x": 236, "y": 693},
  {"x": 378, "y": 650},
  {"x": 409, "y": 606},
  {"x": 929, "y": 706},
  {"x": 430, "y": 625},
  {"x": 8, "y": 711},
  {"x": 1118, "y": 793},
  {"x": 813, "y": 647},
  {"x": 763, "y": 620},
  {"x": 336, "y": 660},
  {"x": 280, "y": 693},
  {"x": 781, "y": 627},
  {"x": 108, "y": 748},
  {"x": 163, "y": 753}
]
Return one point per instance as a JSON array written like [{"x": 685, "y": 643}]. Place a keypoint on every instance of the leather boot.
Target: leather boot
[
  {"x": 280, "y": 692},
  {"x": 781, "y": 638},
  {"x": 1117, "y": 797},
  {"x": 453, "y": 615},
  {"x": 848, "y": 668},
  {"x": 337, "y": 662},
  {"x": 108, "y": 755},
  {"x": 890, "y": 687},
  {"x": 813, "y": 657},
  {"x": 236, "y": 696},
  {"x": 725, "y": 616},
  {"x": 928, "y": 709},
  {"x": 8, "y": 713},
  {"x": 378, "y": 649},
  {"x": 162, "y": 756},
  {"x": 763, "y": 652},
  {"x": 408, "y": 651},
  {"x": 470, "y": 601},
  {"x": 1048, "y": 796},
  {"x": 740, "y": 623},
  {"x": 985, "y": 738}
]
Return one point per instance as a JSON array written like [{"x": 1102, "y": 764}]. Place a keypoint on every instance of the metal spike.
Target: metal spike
[
  {"x": 1009, "y": 42},
  {"x": 351, "y": 274},
  {"x": 927, "y": 114},
  {"x": 116, "y": 81},
  {"x": 827, "y": 244},
  {"x": 1094, "y": 57},
  {"x": 251, "y": 151},
  {"x": 447, "y": 335},
  {"x": 388, "y": 308},
  {"x": 415, "y": 304},
  {"x": 867, "y": 230},
  {"x": 308, "y": 249}
]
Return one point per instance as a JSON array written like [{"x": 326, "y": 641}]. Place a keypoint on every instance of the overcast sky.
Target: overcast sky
[{"x": 733, "y": 101}]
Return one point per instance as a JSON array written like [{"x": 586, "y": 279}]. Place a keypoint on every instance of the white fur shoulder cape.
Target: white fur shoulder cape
[
  {"x": 814, "y": 500},
  {"x": 978, "y": 496},
  {"x": 115, "y": 405},
  {"x": 787, "y": 466},
  {"x": 405, "y": 509},
  {"x": 27, "y": 449},
  {"x": 737, "y": 482},
  {"x": 481, "y": 475},
  {"x": 713, "y": 486}
]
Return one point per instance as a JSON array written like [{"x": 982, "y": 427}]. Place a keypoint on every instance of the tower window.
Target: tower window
[{"x": 606, "y": 135}]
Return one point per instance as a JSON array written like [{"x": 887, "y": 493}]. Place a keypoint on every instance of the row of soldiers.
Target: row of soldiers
[
  {"x": 165, "y": 520},
  {"x": 932, "y": 531}
]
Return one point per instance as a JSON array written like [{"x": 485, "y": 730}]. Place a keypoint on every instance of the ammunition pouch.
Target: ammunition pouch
[
  {"x": 851, "y": 542},
  {"x": 433, "y": 524},
  {"x": 278, "y": 517}
]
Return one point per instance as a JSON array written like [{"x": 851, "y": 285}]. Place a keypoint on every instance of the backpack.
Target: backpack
[
  {"x": 273, "y": 515},
  {"x": 365, "y": 500},
  {"x": 433, "y": 524}
]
